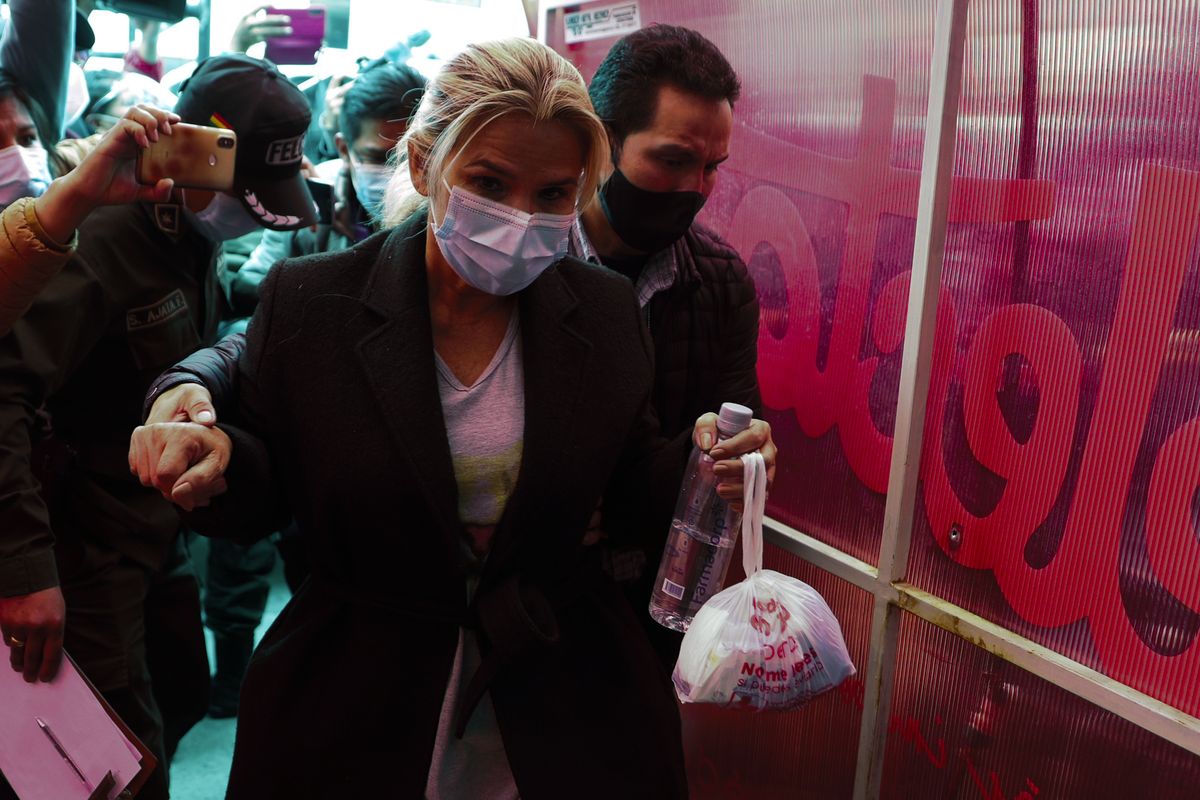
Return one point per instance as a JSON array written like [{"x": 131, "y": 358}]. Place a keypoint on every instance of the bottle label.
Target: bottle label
[{"x": 672, "y": 589}]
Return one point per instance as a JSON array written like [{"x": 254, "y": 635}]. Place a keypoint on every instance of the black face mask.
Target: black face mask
[{"x": 645, "y": 220}]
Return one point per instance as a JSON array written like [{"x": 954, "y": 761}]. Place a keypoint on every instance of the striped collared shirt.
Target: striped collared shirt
[{"x": 660, "y": 273}]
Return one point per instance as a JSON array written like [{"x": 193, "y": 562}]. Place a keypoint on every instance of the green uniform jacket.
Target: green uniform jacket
[{"x": 133, "y": 300}]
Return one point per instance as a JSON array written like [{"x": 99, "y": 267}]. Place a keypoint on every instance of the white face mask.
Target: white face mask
[
  {"x": 24, "y": 172},
  {"x": 77, "y": 94},
  {"x": 498, "y": 249},
  {"x": 222, "y": 219},
  {"x": 370, "y": 186}
]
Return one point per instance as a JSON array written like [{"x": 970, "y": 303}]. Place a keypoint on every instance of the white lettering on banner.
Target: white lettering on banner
[{"x": 599, "y": 23}]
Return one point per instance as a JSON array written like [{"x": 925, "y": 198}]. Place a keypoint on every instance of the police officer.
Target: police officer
[
  {"x": 80, "y": 538},
  {"x": 666, "y": 95}
]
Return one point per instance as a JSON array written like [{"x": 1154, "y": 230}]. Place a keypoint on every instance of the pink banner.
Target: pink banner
[{"x": 1060, "y": 492}]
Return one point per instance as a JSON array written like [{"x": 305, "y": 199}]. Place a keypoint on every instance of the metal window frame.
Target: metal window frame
[
  {"x": 1153, "y": 715},
  {"x": 894, "y": 597}
]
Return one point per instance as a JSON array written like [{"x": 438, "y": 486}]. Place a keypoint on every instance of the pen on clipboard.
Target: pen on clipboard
[{"x": 58, "y": 746}]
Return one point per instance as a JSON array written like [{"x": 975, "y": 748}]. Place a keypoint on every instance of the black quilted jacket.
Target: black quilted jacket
[{"x": 705, "y": 333}]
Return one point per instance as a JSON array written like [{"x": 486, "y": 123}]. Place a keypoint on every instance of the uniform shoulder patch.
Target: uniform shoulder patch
[{"x": 166, "y": 217}]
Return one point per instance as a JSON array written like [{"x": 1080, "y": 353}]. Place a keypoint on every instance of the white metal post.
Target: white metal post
[
  {"x": 937, "y": 167},
  {"x": 544, "y": 9}
]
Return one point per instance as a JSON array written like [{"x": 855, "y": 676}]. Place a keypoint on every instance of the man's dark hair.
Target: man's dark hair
[
  {"x": 384, "y": 91},
  {"x": 625, "y": 88}
]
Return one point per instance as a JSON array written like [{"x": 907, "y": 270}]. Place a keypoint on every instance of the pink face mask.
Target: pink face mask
[
  {"x": 24, "y": 172},
  {"x": 498, "y": 249}
]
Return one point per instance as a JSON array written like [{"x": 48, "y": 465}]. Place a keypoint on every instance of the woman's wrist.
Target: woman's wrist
[{"x": 62, "y": 209}]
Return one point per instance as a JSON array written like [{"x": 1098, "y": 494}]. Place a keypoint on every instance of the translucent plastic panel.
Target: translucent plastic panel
[
  {"x": 1062, "y": 450},
  {"x": 966, "y": 725},
  {"x": 808, "y": 753},
  {"x": 819, "y": 196}
]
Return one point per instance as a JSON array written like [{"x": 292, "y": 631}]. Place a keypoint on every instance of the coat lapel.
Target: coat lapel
[
  {"x": 556, "y": 359},
  {"x": 397, "y": 358}
]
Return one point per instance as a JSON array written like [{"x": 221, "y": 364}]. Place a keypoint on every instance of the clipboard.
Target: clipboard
[
  {"x": 73, "y": 706},
  {"x": 148, "y": 761}
]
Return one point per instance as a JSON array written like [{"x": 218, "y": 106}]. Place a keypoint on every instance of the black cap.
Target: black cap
[{"x": 270, "y": 117}]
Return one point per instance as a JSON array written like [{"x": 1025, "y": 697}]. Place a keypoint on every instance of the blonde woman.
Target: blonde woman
[{"x": 442, "y": 408}]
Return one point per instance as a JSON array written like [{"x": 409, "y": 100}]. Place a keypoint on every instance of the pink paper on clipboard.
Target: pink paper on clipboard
[{"x": 78, "y": 721}]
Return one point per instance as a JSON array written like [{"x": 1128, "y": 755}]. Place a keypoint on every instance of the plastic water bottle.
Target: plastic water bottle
[{"x": 702, "y": 535}]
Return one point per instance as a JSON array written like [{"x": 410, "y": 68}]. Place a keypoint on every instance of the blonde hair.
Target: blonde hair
[{"x": 483, "y": 83}]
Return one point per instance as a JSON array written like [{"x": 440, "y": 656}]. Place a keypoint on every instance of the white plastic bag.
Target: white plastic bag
[{"x": 769, "y": 642}]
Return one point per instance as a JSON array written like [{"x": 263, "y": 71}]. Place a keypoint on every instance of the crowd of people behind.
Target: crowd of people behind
[{"x": 452, "y": 374}]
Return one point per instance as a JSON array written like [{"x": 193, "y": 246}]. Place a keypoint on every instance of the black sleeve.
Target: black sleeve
[
  {"x": 216, "y": 367},
  {"x": 254, "y": 504},
  {"x": 641, "y": 494},
  {"x": 43, "y": 349},
  {"x": 36, "y": 50}
]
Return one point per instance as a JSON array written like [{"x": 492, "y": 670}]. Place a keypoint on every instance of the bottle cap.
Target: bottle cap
[{"x": 734, "y": 418}]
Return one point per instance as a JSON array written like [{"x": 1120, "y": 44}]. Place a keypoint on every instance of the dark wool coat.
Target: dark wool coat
[{"x": 339, "y": 422}]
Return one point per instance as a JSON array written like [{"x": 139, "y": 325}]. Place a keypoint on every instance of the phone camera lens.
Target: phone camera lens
[{"x": 225, "y": 143}]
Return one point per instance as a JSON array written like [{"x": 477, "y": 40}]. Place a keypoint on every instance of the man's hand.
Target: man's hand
[
  {"x": 728, "y": 468},
  {"x": 258, "y": 26},
  {"x": 184, "y": 461},
  {"x": 335, "y": 98},
  {"x": 32, "y": 626},
  {"x": 187, "y": 402}
]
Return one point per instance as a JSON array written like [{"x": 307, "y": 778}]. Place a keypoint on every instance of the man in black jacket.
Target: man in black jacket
[{"x": 666, "y": 95}]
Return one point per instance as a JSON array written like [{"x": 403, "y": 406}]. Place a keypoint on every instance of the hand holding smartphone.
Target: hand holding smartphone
[
  {"x": 194, "y": 156},
  {"x": 308, "y": 34}
]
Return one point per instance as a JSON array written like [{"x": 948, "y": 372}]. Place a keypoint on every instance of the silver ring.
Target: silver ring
[{"x": 15, "y": 642}]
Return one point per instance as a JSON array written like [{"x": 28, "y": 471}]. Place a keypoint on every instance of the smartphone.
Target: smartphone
[
  {"x": 308, "y": 33},
  {"x": 194, "y": 156},
  {"x": 322, "y": 194}
]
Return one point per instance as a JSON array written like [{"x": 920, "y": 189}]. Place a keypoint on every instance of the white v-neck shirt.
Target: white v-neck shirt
[{"x": 485, "y": 426}]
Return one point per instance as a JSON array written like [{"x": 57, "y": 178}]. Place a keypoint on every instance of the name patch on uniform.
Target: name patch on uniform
[{"x": 154, "y": 314}]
